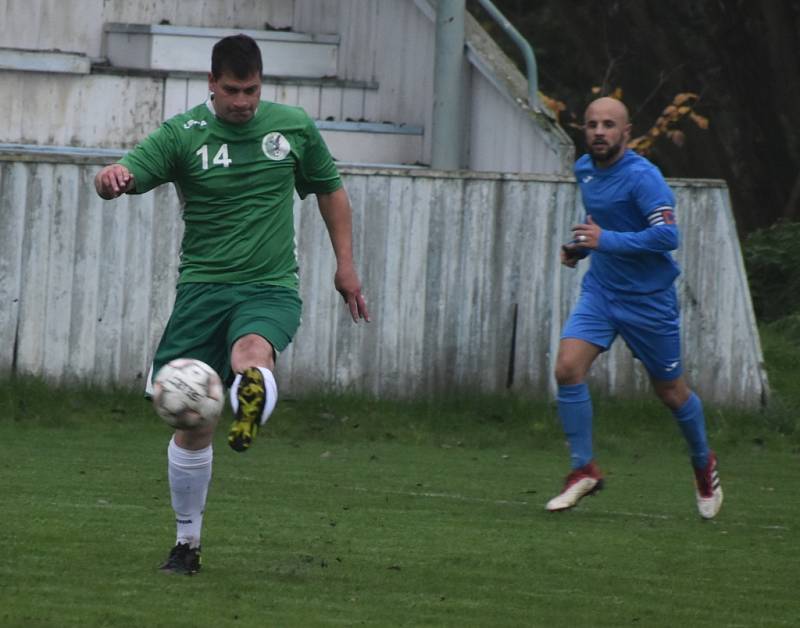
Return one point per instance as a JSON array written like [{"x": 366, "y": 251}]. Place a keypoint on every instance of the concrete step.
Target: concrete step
[
  {"x": 114, "y": 109},
  {"x": 376, "y": 144},
  {"x": 188, "y": 49},
  {"x": 322, "y": 99},
  {"x": 300, "y": 70},
  {"x": 353, "y": 143}
]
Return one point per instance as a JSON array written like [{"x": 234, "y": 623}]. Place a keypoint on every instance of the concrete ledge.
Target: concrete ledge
[
  {"x": 76, "y": 154},
  {"x": 218, "y": 33},
  {"x": 349, "y": 142},
  {"x": 369, "y": 127},
  {"x": 158, "y": 47},
  {"x": 59, "y": 154},
  {"x": 44, "y": 61},
  {"x": 301, "y": 81}
]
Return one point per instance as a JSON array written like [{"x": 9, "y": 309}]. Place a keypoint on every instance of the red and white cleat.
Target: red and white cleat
[
  {"x": 708, "y": 489},
  {"x": 583, "y": 481}
]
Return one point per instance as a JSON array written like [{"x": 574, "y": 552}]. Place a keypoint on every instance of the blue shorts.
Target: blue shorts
[{"x": 649, "y": 324}]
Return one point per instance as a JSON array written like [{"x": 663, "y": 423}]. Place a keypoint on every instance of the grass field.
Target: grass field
[{"x": 352, "y": 512}]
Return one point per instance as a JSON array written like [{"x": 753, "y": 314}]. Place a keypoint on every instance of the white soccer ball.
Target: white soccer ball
[{"x": 188, "y": 394}]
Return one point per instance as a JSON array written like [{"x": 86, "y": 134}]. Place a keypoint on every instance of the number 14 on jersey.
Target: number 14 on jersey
[{"x": 220, "y": 159}]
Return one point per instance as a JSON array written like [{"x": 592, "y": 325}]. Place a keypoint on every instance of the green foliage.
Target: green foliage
[
  {"x": 780, "y": 341},
  {"x": 770, "y": 256}
]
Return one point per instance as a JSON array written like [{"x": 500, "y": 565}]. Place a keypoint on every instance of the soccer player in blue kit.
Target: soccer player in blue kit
[{"x": 628, "y": 291}]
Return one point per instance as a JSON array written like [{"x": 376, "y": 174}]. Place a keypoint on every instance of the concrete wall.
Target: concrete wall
[
  {"x": 384, "y": 74},
  {"x": 77, "y": 25},
  {"x": 446, "y": 261}
]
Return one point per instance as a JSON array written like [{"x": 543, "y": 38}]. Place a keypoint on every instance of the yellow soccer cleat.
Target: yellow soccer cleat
[{"x": 251, "y": 397}]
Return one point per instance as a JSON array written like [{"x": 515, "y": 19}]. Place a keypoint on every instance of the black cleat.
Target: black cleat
[
  {"x": 251, "y": 396},
  {"x": 182, "y": 560}
]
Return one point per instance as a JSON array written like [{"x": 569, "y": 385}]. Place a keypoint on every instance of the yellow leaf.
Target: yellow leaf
[
  {"x": 700, "y": 121},
  {"x": 556, "y": 106},
  {"x": 641, "y": 145},
  {"x": 683, "y": 97}
]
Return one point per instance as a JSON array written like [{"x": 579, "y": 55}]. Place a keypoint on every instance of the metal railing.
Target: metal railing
[{"x": 523, "y": 45}]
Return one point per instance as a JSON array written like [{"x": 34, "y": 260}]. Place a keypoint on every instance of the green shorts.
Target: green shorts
[{"x": 208, "y": 318}]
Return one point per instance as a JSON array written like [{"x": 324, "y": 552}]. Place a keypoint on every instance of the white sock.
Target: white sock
[
  {"x": 270, "y": 388},
  {"x": 189, "y": 477}
]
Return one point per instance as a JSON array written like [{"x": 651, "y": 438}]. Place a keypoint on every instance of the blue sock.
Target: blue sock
[
  {"x": 575, "y": 411},
  {"x": 693, "y": 427}
]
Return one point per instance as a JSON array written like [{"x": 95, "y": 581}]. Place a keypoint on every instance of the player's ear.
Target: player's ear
[
  {"x": 211, "y": 82},
  {"x": 627, "y": 130}
]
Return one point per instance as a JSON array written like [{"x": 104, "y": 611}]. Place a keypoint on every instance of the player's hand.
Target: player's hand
[
  {"x": 348, "y": 285},
  {"x": 569, "y": 255},
  {"x": 587, "y": 234},
  {"x": 113, "y": 181}
]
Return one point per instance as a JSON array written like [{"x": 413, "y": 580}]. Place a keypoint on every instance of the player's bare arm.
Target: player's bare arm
[
  {"x": 338, "y": 216},
  {"x": 113, "y": 181}
]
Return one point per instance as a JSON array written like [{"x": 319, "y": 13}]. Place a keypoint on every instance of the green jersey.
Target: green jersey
[{"x": 236, "y": 183}]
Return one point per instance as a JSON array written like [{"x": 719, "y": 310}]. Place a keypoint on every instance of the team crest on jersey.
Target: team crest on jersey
[{"x": 275, "y": 146}]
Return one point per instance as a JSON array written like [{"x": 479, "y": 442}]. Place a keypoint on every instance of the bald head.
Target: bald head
[
  {"x": 608, "y": 107},
  {"x": 607, "y": 128}
]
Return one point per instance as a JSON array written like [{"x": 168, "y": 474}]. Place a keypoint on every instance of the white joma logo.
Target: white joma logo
[
  {"x": 671, "y": 367},
  {"x": 587, "y": 178}
]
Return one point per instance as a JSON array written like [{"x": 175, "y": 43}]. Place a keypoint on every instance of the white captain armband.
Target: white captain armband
[{"x": 661, "y": 216}]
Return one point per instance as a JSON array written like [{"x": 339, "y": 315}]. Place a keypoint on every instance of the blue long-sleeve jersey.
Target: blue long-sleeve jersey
[{"x": 635, "y": 208}]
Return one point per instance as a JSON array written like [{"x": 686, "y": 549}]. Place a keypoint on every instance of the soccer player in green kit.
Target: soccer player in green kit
[{"x": 236, "y": 161}]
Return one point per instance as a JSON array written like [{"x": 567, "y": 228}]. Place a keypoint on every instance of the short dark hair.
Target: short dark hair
[{"x": 238, "y": 55}]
